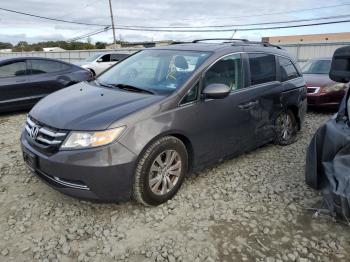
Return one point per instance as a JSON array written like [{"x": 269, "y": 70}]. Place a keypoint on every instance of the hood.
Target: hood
[
  {"x": 81, "y": 63},
  {"x": 86, "y": 106},
  {"x": 317, "y": 80}
]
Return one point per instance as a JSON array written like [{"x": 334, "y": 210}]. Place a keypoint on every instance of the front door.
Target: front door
[
  {"x": 103, "y": 63},
  {"x": 226, "y": 126}
]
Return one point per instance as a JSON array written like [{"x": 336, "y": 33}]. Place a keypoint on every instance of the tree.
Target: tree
[
  {"x": 100, "y": 45},
  {"x": 24, "y": 46},
  {"x": 5, "y": 45}
]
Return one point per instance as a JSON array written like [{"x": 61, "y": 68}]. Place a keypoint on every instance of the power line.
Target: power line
[
  {"x": 241, "y": 25},
  {"x": 48, "y": 18},
  {"x": 232, "y": 29},
  {"x": 136, "y": 27},
  {"x": 90, "y": 34},
  {"x": 220, "y": 30},
  {"x": 282, "y": 12},
  {"x": 154, "y": 29}
]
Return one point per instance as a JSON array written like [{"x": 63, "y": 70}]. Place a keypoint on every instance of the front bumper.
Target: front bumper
[
  {"x": 105, "y": 173},
  {"x": 331, "y": 100}
]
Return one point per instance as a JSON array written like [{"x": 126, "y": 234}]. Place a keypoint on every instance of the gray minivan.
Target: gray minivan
[{"x": 162, "y": 113}]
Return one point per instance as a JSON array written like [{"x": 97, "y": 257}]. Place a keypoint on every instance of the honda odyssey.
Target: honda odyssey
[{"x": 139, "y": 128}]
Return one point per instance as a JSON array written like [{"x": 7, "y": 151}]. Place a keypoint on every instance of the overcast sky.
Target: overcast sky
[{"x": 14, "y": 27}]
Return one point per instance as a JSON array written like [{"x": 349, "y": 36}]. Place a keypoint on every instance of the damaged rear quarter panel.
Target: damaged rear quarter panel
[{"x": 294, "y": 98}]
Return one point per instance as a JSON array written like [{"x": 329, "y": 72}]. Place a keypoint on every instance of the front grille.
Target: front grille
[
  {"x": 44, "y": 136},
  {"x": 312, "y": 90}
]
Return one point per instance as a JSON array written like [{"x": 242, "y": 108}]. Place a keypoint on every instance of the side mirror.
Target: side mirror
[
  {"x": 99, "y": 60},
  {"x": 340, "y": 69},
  {"x": 216, "y": 91}
]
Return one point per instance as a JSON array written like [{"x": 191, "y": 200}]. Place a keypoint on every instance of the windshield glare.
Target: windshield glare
[
  {"x": 317, "y": 67},
  {"x": 159, "y": 71},
  {"x": 92, "y": 58}
]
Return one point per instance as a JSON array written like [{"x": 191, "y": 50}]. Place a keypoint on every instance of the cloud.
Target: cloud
[{"x": 14, "y": 27}]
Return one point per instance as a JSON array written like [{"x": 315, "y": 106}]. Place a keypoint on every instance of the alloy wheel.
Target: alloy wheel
[
  {"x": 165, "y": 172},
  {"x": 286, "y": 127}
]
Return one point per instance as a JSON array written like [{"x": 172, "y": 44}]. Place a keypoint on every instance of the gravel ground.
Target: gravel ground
[{"x": 251, "y": 208}]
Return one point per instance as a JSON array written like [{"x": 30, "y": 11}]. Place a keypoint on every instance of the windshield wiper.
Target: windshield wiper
[
  {"x": 133, "y": 88},
  {"x": 103, "y": 84}
]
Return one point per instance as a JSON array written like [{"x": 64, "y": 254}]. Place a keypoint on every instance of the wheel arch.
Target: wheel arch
[
  {"x": 295, "y": 110},
  {"x": 91, "y": 70},
  {"x": 183, "y": 138}
]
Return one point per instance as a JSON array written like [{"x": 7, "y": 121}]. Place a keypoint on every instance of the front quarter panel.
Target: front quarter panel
[{"x": 177, "y": 121}]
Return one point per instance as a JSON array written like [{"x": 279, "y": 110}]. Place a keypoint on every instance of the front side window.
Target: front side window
[
  {"x": 158, "y": 71},
  {"x": 317, "y": 67},
  {"x": 226, "y": 71},
  {"x": 47, "y": 66},
  {"x": 262, "y": 68},
  {"x": 106, "y": 58},
  {"x": 287, "y": 69},
  {"x": 13, "y": 69}
]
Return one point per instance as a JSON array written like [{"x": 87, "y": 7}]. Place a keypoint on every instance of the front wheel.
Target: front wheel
[
  {"x": 160, "y": 171},
  {"x": 93, "y": 74},
  {"x": 286, "y": 128}
]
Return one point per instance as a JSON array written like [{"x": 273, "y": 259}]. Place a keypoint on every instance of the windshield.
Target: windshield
[
  {"x": 92, "y": 58},
  {"x": 317, "y": 67},
  {"x": 158, "y": 71}
]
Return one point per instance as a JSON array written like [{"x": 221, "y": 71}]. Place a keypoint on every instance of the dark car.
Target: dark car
[
  {"x": 328, "y": 155},
  {"x": 25, "y": 80},
  {"x": 321, "y": 90},
  {"x": 162, "y": 113}
]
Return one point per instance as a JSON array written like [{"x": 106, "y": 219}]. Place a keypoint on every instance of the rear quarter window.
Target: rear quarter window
[
  {"x": 47, "y": 66},
  {"x": 262, "y": 68},
  {"x": 287, "y": 69}
]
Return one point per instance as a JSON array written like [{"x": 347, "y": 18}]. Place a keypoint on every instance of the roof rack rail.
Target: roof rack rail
[
  {"x": 179, "y": 42},
  {"x": 235, "y": 41},
  {"x": 266, "y": 44},
  {"x": 224, "y": 39}
]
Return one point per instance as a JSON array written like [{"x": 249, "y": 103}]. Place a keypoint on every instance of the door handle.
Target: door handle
[{"x": 248, "y": 105}]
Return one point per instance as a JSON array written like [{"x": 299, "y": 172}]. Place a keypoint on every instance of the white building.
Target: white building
[
  {"x": 53, "y": 49},
  {"x": 5, "y": 50}
]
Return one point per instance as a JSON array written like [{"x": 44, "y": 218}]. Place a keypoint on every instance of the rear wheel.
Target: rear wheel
[
  {"x": 286, "y": 128},
  {"x": 160, "y": 171}
]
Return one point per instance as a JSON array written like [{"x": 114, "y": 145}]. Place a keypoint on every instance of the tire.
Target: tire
[
  {"x": 92, "y": 72},
  {"x": 286, "y": 128},
  {"x": 155, "y": 187}
]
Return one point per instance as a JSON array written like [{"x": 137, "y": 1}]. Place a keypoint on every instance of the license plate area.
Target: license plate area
[{"x": 30, "y": 159}]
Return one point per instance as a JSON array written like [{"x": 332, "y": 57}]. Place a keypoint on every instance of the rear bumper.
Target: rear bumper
[{"x": 105, "y": 173}]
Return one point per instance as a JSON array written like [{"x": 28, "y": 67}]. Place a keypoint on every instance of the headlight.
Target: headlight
[
  {"x": 79, "y": 140},
  {"x": 333, "y": 88}
]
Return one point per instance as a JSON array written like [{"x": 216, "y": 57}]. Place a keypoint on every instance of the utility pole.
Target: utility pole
[{"x": 113, "y": 28}]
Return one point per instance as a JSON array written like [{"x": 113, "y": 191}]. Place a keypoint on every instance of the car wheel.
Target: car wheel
[
  {"x": 92, "y": 72},
  {"x": 160, "y": 171},
  {"x": 286, "y": 128}
]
